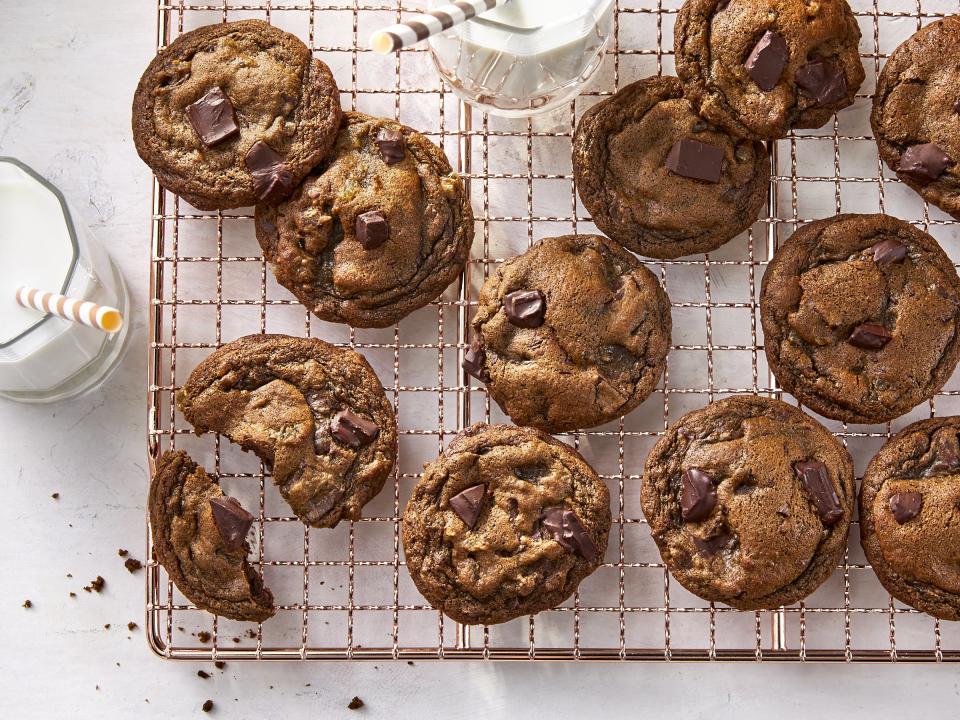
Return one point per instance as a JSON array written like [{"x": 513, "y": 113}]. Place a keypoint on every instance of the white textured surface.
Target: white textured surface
[{"x": 67, "y": 73}]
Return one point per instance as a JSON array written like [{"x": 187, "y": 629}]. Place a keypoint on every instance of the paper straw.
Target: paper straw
[
  {"x": 90, "y": 314},
  {"x": 435, "y": 21}
]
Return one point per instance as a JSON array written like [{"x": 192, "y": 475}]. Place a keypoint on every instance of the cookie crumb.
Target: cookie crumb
[
  {"x": 203, "y": 674},
  {"x": 106, "y": 626},
  {"x": 131, "y": 626},
  {"x": 355, "y": 704},
  {"x": 410, "y": 663},
  {"x": 219, "y": 664},
  {"x": 207, "y": 705},
  {"x": 252, "y": 634},
  {"x": 236, "y": 639},
  {"x": 27, "y": 604},
  {"x": 95, "y": 585},
  {"x": 122, "y": 553},
  {"x": 73, "y": 594},
  {"x": 55, "y": 496},
  {"x": 132, "y": 565},
  {"x": 203, "y": 636}
]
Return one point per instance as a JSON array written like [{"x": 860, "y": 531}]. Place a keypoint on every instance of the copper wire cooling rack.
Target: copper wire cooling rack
[{"x": 345, "y": 593}]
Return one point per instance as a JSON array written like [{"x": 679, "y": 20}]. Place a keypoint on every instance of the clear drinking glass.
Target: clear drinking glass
[
  {"x": 43, "y": 244},
  {"x": 526, "y": 57}
]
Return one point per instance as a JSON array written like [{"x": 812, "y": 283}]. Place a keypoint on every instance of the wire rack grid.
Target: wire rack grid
[{"x": 344, "y": 593}]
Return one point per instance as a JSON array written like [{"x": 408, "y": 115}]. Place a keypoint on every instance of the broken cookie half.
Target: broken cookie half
[{"x": 199, "y": 536}]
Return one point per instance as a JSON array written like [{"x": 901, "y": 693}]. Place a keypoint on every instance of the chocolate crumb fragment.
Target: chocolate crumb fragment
[
  {"x": 56, "y": 496},
  {"x": 207, "y": 706},
  {"x": 131, "y": 626},
  {"x": 122, "y": 553},
  {"x": 219, "y": 664},
  {"x": 27, "y": 604},
  {"x": 355, "y": 704},
  {"x": 106, "y": 626},
  {"x": 203, "y": 674},
  {"x": 132, "y": 565},
  {"x": 73, "y": 594},
  {"x": 203, "y": 636},
  {"x": 96, "y": 585}
]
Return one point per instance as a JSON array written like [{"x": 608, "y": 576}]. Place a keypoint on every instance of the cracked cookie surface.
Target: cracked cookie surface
[
  {"x": 621, "y": 149},
  {"x": 918, "y": 102},
  {"x": 280, "y": 95},
  {"x": 315, "y": 413},
  {"x": 909, "y": 512},
  {"x": 812, "y": 70},
  {"x": 749, "y": 501},
  {"x": 343, "y": 273},
  {"x": 211, "y": 572},
  {"x": 601, "y": 346},
  {"x": 860, "y": 317},
  {"x": 506, "y": 522}
]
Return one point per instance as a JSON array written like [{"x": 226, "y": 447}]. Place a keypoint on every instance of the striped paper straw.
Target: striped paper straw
[
  {"x": 96, "y": 316},
  {"x": 411, "y": 32}
]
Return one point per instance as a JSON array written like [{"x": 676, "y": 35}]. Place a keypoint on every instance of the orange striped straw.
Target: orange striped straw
[{"x": 86, "y": 313}]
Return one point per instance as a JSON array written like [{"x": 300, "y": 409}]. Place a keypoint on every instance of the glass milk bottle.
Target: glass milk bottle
[
  {"x": 525, "y": 57},
  {"x": 44, "y": 357}
]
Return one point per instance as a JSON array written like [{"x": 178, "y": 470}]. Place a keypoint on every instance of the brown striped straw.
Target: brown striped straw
[
  {"x": 435, "y": 21},
  {"x": 86, "y": 313}
]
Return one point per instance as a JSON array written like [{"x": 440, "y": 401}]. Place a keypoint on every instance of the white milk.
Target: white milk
[
  {"x": 526, "y": 56},
  {"x": 42, "y": 357}
]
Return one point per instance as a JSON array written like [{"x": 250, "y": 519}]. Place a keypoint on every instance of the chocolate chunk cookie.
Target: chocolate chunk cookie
[
  {"x": 860, "y": 317},
  {"x": 909, "y": 502},
  {"x": 315, "y": 413},
  {"x": 916, "y": 113},
  {"x": 761, "y": 68},
  {"x": 660, "y": 180},
  {"x": 380, "y": 229},
  {"x": 506, "y": 522},
  {"x": 199, "y": 538},
  {"x": 571, "y": 334},
  {"x": 749, "y": 501},
  {"x": 234, "y": 114}
]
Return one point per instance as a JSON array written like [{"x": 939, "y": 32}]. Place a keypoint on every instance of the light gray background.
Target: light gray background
[{"x": 67, "y": 72}]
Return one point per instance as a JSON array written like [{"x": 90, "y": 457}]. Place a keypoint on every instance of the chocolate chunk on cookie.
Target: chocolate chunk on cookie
[
  {"x": 218, "y": 102},
  {"x": 378, "y": 230},
  {"x": 909, "y": 501},
  {"x": 915, "y": 117},
  {"x": 860, "y": 316},
  {"x": 749, "y": 501},
  {"x": 587, "y": 345},
  {"x": 316, "y": 414},
  {"x": 658, "y": 179},
  {"x": 204, "y": 554},
  {"x": 761, "y": 68},
  {"x": 506, "y": 522}
]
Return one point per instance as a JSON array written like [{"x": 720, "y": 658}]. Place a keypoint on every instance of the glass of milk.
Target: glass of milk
[
  {"x": 43, "y": 244},
  {"x": 525, "y": 57}
]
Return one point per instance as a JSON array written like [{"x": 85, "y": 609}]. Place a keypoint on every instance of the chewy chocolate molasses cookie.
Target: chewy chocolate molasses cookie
[
  {"x": 860, "y": 316},
  {"x": 909, "y": 502},
  {"x": 749, "y": 501},
  {"x": 506, "y": 522},
  {"x": 234, "y": 114},
  {"x": 571, "y": 334},
  {"x": 199, "y": 536},
  {"x": 761, "y": 68},
  {"x": 916, "y": 113},
  {"x": 379, "y": 230},
  {"x": 315, "y": 413},
  {"x": 660, "y": 180}
]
